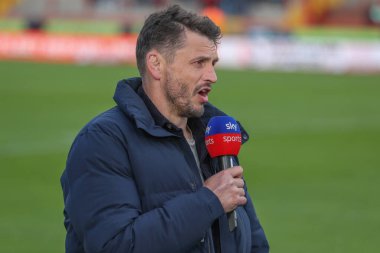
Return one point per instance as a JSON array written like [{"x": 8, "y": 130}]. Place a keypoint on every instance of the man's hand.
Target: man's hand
[{"x": 228, "y": 187}]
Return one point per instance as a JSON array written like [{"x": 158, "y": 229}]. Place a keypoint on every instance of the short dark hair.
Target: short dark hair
[{"x": 164, "y": 31}]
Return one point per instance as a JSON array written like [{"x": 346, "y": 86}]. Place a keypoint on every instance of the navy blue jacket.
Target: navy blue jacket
[{"x": 131, "y": 185}]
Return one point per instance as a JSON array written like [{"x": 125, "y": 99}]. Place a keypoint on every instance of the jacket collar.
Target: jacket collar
[
  {"x": 133, "y": 106},
  {"x": 147, "y": 117}
]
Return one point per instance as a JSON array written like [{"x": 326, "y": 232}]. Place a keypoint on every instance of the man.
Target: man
[{"x": 138, "y": 177}]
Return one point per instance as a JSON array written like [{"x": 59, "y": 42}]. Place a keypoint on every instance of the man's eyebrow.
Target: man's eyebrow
[{"x": 205, "y": 58}]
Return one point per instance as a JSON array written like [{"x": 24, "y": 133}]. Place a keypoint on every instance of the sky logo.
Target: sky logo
[{"x": 231, "y": 126}]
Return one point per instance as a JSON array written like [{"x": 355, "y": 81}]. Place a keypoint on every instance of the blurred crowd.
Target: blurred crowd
[
  {"x": 233, "y": 7},
  {"x": 233, "y": 16}
]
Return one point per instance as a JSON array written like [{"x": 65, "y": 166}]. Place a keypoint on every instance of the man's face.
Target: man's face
[{"x": 189, "y": 76}]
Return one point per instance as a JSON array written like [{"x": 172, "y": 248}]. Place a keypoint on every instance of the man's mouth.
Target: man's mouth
[{"x": 203, "y": 92}]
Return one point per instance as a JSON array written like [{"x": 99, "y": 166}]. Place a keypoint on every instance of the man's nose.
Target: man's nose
[{"x": 210, "y": 75}]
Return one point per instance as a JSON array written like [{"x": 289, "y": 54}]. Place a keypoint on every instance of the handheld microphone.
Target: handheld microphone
[{"x": 223, "y": 142}]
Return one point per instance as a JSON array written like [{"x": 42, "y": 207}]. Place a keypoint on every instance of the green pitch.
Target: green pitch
[{"x": 312, "y": 168}]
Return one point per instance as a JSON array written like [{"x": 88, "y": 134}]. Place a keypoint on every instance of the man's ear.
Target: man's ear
[{"x": 154, "y": 63}]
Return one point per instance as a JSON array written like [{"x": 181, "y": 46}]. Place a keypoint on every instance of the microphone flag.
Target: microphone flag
[{"x": 223, "y": 136}]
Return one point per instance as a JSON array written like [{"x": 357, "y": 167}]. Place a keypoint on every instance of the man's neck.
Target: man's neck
[{"x": 165, "y": 109}]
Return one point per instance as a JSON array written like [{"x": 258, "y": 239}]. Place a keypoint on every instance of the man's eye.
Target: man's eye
[{"x": 199, "y": 63}]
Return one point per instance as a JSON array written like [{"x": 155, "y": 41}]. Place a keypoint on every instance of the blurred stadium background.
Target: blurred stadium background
[{"x": 302, "y": 76}]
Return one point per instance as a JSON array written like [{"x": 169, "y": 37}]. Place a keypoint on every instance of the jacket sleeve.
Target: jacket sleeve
[
  {"x": 259, "y": 240},
  {"x": 103, "y": 203}
]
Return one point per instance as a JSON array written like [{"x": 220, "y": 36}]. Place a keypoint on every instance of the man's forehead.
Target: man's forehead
[
  {"x": 197, "y": 38},
  {"x": 199, "y": 45}
]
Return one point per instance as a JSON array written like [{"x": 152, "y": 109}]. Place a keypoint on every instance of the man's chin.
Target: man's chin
[
  {"x": 199, "y": 112},
  {"x": 195, "y": 112}
]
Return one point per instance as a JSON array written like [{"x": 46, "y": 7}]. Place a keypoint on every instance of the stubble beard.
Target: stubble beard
[{"x": 178, "y": 94}]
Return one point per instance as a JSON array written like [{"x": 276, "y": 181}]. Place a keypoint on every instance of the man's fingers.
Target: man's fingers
[
  {"x": 242, "y": 201},
  {"x": 239, "y": 182},
  {"x": 236, "y": 171}
]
